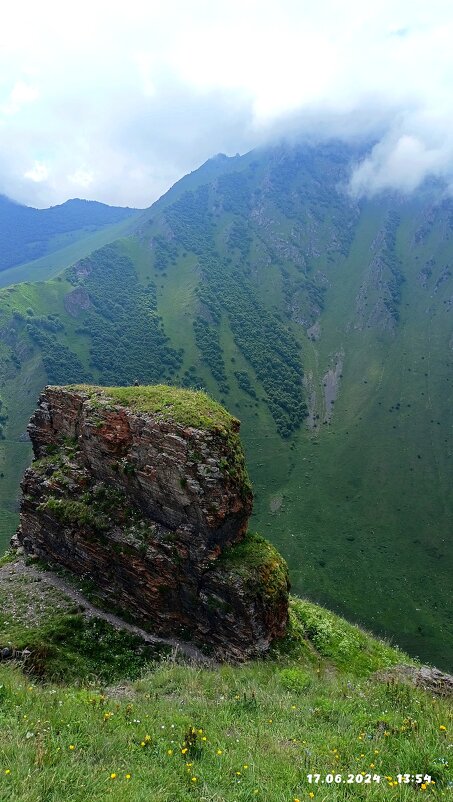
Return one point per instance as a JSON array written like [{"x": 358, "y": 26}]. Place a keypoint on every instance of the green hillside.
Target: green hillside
[
  {"x": 53, "y": 263},
  {"x": 27, "y": 234},
  {"x": 324, "y": 324},
  {"x": 94, "y": 714}
]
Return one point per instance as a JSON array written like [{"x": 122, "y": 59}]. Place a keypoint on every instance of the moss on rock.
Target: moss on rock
[
  {"x": 257, "y": 560},
  {"x": 186, "y": 407}
]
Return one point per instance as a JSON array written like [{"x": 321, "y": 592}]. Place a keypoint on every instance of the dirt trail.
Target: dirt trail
[{"x": 90, "y": 611}]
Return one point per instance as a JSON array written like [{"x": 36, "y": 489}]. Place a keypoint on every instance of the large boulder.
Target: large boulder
[{"x": 144, "y": 491}]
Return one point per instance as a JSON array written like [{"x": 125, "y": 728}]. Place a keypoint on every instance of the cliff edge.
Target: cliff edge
[{"x": 144, "y": 491}]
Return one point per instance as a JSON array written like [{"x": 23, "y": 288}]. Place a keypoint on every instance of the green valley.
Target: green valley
[{"x": 322, "y": 322}]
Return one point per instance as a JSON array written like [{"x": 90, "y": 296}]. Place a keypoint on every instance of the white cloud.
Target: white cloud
[
  {"x": 38, "y": 173},
  {"x": 81, "y": 178},
  {"x": 123, "y": 100},
  {"x": 20, "y": 94}
]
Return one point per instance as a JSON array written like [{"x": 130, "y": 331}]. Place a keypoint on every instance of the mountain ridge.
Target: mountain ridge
[{"x": 28, "y": 233}]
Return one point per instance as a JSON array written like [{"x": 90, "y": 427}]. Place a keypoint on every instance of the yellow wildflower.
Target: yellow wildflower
[
  {"x": 371, "y": 765},
  {"x": 194, "y": 779},
  {"x": 183, "y": 751},
  {"x": 219, "y": 751},
  {"x": 127, "y": 776},
  {"x": 444, "y": 729},
  {"x": 311, "y": 794},
  {"x": 7, "y": 771},
  {"x": 169, "y": 751},
  {"x": 245, "y": 766},
  {"x": 71, "y": 746},
  {"x": 423, "y": 786},
  {"x": 113, "y": 776}
]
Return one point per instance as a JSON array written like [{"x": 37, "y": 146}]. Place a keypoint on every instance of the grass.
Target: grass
[
  {"x": 186, "y": 407},
  {"x": 52, "y": 264},
  {"x": 256, "y": 558},
  {"x": 232, "y": 734}
]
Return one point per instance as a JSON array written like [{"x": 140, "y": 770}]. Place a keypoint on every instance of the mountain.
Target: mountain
[
  {"x": 27, "y": 234},
  {"x": 324, "y": 324}
]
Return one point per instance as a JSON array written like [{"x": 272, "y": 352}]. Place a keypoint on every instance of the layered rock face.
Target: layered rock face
[{"x": 144, "y": 491}]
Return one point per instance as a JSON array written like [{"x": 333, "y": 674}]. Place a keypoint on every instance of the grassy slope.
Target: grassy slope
[
  {"x": 314, "y": 706},
  {"x": 385, "y": 515},
  {"x": 52, "y": 264}
]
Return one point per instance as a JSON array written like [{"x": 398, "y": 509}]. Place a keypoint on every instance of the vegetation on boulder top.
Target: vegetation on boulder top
[{"x": 186, "y": 407}]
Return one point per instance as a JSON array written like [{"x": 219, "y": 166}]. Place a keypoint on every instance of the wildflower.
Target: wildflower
[
  {"x": 245, "y": 766},
  {"x": 371, "y": 765},
  {"x": 7, "y": 771},
  {"x": 147, "y": 739},
  {"x": 183, "y": 751},
  {"x": 194, "y": 779},
  {"x": 219, "y": 752},
  {"x": 72, "y": 747},
  {"x": 423, "y": 786},
  {"x": 142, "y": 743},
  {"x": 127, "y": 776},
  {"x": 113, "y": 776},
  {"x": 238, "y": 773},
  {"x": 444, "y": 729},
  {"x": 169, "y": 752},
  {"x": 270, "y": 721},
  {"x": 311, "y": 794},
  {"x": 296, "y": 800}
]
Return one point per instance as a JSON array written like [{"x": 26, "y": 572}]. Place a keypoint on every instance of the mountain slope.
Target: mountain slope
[
  {"x": 27, "y": 234},
  {"x": 324, "y": 324}
]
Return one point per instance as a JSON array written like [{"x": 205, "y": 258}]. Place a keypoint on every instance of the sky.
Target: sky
[{"x": 115, "y": 101}]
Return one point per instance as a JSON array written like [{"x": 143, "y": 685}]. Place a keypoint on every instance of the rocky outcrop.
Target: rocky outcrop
[
  {"x": 144, "y": 492},
  {"x": 426, "y": 677}
]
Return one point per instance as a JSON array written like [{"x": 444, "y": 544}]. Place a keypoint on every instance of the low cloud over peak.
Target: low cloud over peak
[{"x": 119, "y": 105}]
